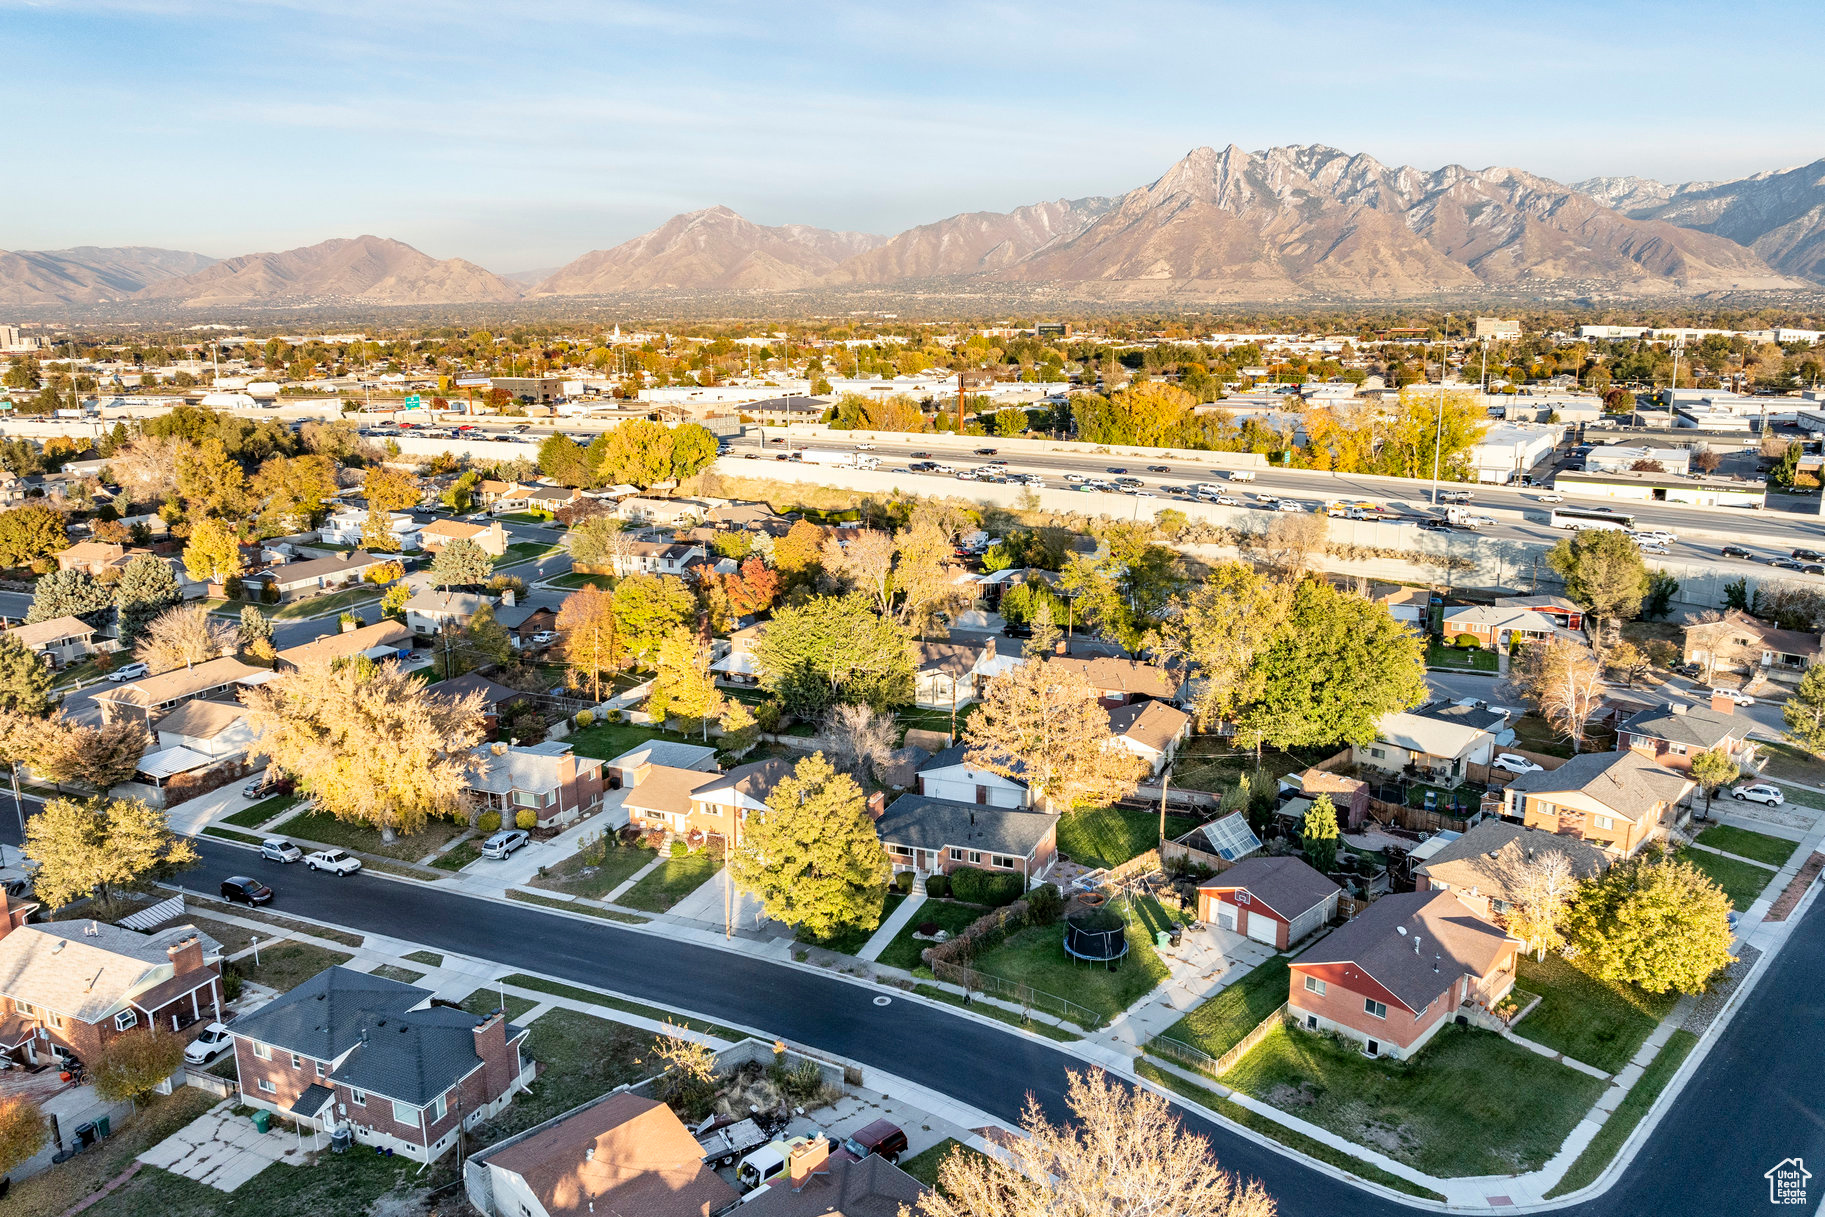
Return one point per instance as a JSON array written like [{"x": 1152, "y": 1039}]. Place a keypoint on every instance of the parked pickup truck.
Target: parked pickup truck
[{"x": 722, "y": 1146}]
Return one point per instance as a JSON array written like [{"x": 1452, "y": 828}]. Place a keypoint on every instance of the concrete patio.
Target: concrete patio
[{"x": 225, "y": 1150}]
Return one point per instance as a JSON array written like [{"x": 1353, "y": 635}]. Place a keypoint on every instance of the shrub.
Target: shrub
[
  {"x": 767, "y": 715},
  {"x": 132, "y": 1064},
  {"x": 1466, "y": 642},
  {"x": 903, "y": 881},
  {"x": 1045, "y": 904},
  {"x": 983, "y": 934},
  {"x": 993, "y": 888},
  {"x": 233, "y": 588},
  {"x": 680, "y": 849},
  {"x": 231, "y": 983},
  {"x": 585, "y": 718},
  {"x": 629, "y": 835},
  {"x": 938, "y": 886},
  {"x": 526, "y": 817},
  {"x": 488, "y": 821},
  {"x": 655, "y": 838},
  {"x": 269, "y": 594}
]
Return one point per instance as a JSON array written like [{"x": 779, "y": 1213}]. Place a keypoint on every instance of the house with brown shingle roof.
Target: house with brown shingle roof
[
  {"x": 1120, "y": 681},
  {"x": 491, "y": 538},
  {"x": 1747, "y": 645},
  {"x": 382, "y": 640},
  {"x": 1618, "y": 801},
  {"x": 1151, "y": 730},
  {"x": 59, "y": 641},
  {"x": 1487, "y": 866},
  {"x": 1400, "y": 971},
  {"x": 1275, "y": 900}
]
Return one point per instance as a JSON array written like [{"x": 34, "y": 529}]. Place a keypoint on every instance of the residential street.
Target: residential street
[{"x": 1752, "y": 1102}]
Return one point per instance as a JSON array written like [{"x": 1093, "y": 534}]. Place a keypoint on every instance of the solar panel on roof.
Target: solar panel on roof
[{"x": 1231, "y": 838}]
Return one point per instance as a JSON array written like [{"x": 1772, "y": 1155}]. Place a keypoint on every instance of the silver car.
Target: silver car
[{"x": 504, "y": 842}]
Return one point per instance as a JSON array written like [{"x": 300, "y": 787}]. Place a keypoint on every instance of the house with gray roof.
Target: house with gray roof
[
  {"x": 548, "y": 779},
  {"x": 927, "y": 835},
  {"x": 949, "y": 775},
  {"x": 430, "y": 610},
  {"x": 1618, "y": 801},
  {"x": 1436, "y": 742},
  {"x": 294, "y": 580},
  {"x": 380, "y": 1058},
  {"x": 1275, "y": 900},
  {"x": 1488, "y": 865},
  {"x": 1671, "y": 735}
]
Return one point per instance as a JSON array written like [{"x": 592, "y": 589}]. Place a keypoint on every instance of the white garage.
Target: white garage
[{"x": 1263, "y": 928}]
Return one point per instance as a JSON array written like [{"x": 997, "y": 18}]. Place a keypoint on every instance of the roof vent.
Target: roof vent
[
  {"x": 1401, "y": 930},
  {"x": 589, "y": 1153},
  {"x": 91, "y": 930},
  {"x": 59, "y": 945}
]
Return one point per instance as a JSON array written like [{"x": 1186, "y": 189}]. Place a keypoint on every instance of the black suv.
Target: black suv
[
  {"x": 1809, "y": 555},
  {"x": 1736, "y": 551},
  {"x": 239, "y": 889}
]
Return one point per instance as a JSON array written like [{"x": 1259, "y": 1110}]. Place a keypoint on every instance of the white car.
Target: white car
[
  {"x": 1655, "y": 536},
  {"x": 213, "y": 1042},
  {"x": 1074, "y": 477},
  {"x": 1226, "y": 500},
  {"x": 864, "y": 447},
  {"x": 1515, "y": 764},
  {"x": 544, "y": 638},
  {"x": 132, "y": 671},
  {"x": 1740, "y": 698},
  {"x": 1479, "y": 521},
  {"x": 1761, "y": 792},
  {"x": 1549, "y": 498},
  {"x": 1289, "y": 505},
  {"x": 336, "y": 861},
  {"x": 1143, "y": 494}
]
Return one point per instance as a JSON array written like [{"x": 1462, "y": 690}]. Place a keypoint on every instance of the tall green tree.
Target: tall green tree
[
  {"x": 30, "y": 532},
  {"x": 25, "y": 680},
  {"x": 1124, "y": 592},
  {"x": 1415, "y": 441},
  {"x": 1318, "y": 834},
  {"x": 213, "y": 552},
  {"x": 1603, "y": 572},
  {"x": 146, "y": 588},
  {"x": 95, "y": 846},
  {"x": 834, "y": 649},
  {"x": 1221, "y": 627},
  {"x": 1653, "y": 921},
  {"x": 684, "y": 689},
  {"x": 1336, "y": 666},
  {"x": 563, "y": 460},
  {"x": 69, "y": 593},
  {"x": 1804, "y": 712},
  {"x": 1713, "y": 769},
  {"x": 461, "y": 563},
  {"x": 813, "y": 857}
]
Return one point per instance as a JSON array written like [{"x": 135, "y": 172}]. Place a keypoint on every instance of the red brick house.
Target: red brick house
[
  {"x": 1277, "y": 901},
  {"x": 1120, "y": 681},
  {"x": 924, "y": 835},
  {"x": 75, "y": 985},
  {"x": 345, "y": 1049},
  {"x": 547, "y": 778},
  {"x": 1672, "y": 735},
  {"x": 1400, "y": 971}
]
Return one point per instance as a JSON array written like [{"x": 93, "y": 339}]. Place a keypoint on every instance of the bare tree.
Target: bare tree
[
  {"x": 865, "y": 564},
  {"x": 1542, "y": 887},
  {"x": 1124, "y": 1155},
  {"x": 146, "y": 469},
  {"x": 1565, "y": 681},
  {"x": 857, "y": 739},
  {"x": 1291, "y": 540},
  {"x": 186, "y": 635}
]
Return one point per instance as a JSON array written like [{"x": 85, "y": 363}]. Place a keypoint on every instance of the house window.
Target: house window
[
  {"x": 1314, "y": 985},
  {"x": 1377, "y": 753},
  {"x": 321, "y": 1069},
  {"x": 1372, "y": 1048},
  {"x": 1311, "y": 1022},
  {"x": 262, "y": 1051},
  {"x": 1602, "y": 822},
  {"x": 358, "y": 1097},
  {"x": 975, "y": 857},
  {"x": 529, "y": 798},
  {"x": 1378, "y": 1009},
  {"x": 125, "y": 1019},
  {"x": 1677, "y": 749},
  {"x": 404, "y": 1113},
  {"x": 267, "y": 1086},
  {"x": 438, "y": 1108},
  {"x": 1005, "y": 862},
  {"x": 297, "y": 1062}
]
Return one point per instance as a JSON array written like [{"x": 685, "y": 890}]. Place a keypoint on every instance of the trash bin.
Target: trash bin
[
  {"x": 83, "y": 1135},
  {"x": 1176, "y": 933},
  {"x": 1162, "y": 939},
  {"x": 262, "y": 1121},
  {"x": 102, "y": 1128}
]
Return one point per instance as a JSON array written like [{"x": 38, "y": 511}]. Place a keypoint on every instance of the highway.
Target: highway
[{"x": 1753, "y": 1102}]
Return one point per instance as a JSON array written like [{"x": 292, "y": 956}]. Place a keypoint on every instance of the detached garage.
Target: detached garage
[{"x": 1276, "y": 901}]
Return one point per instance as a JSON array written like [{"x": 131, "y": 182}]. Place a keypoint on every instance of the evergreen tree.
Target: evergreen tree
[{"x": 146, "y": 588}]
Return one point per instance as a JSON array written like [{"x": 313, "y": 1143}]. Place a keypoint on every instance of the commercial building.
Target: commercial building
[
  {"x": 1497, "y": 329},
  {"x": 1664, "y": 488},
  {"x": 1508, "y": 450}
]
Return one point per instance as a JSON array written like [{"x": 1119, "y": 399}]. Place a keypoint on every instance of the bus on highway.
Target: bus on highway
[{"x": 1591, "y": 517}]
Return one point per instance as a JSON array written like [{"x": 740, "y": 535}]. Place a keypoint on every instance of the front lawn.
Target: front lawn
[
  {"x": 1465, "y": 659},
  {"x": 1109, "y": 836},
  {"x": 924, "y": 1166},
  {"x": 853, "y": 939},
  {"x": 459, "y": 855},
  {"x": 1470, "y": 1103},
  {"x": 1220, "y": 1023},
  {"x": 606, "y": 741},
  {"x": 1600, "y": 1022},
  {"x": 263, "y": 811},
  {"x": 1741, "y": 881},
  {"x": 1036, "y": 956},
  {"x": 286, "y": 965},
  {"x": 1746, "y": 844},
  {"x": 1628, "y": 1113},
  {"x": 64, "y": 1186},
  {"x": 488, "y": 999},
  {"x": 576, "y": 580},
  {"x": 322, "y": 827},
  {"x": 584, "y": 1056},
  {"x": 673, "y": 880},
  {"x": 335, "y": 1183},
  {"x": 583, "y": 874},
  {"x": 315, "y": 606},
  {"x": 948, "y": 915},
  {"x": 527, "y": 551}
]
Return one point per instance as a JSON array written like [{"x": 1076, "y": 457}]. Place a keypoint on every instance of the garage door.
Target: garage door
[
  {"x": 1226, "y": 917},
  {"x": 1263, "y": 929}
]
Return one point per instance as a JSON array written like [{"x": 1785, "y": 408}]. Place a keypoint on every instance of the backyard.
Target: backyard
[
  {"x": 1208, "y": 763},
  {"x": 335, "y": 1183},
  {"x": 1220, "y": 1023},
  {"x": 1741, "y": 881},
  {"x": 1470, "y": 1103},
  {"x": 1600, "y": 1022},
  {"x": 583, "y": 1056},
  {"x": 55, "y": 1191},
  {"x": 1109, "y": 836},
  {"x": 326, "y": 829},
  {"x": 673, "y": 880},
  {"x": 1036, "y": 957},
  {"x": 947, "y": 915},
  {"x": 1746, "y": 844},
  {"x": 606, "y": 741}
]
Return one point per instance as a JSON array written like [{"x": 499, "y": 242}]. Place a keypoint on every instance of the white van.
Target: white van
[{"x": 767, "y": 1162}]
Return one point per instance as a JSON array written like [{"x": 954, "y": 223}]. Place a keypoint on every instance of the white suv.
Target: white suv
[
  {"x": 1761, "y": 792},
  {"x": 1515, "y": 764}
]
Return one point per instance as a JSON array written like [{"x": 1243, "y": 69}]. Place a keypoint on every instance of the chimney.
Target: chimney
[
  {"x": 807, "y": 1160},
  {"x": 507, "y": 597},
  {"x": 186, "y": 955},
  {"x": 497, "y": 1058},
  {"x": 12, "y": 916},
  {"x": 877, "y": 805},
  {"x": 351, "y": 624},
  {"x": 1722, "y": 703}
]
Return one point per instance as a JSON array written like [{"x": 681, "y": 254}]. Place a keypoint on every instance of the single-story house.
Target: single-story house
[
  {"x": 1618, "y": 801},
  {"x": 1120, "y": 681},
  {"x": 1673, "y": 734},
  {"x": 622, "y": 1154},
  {"x": 430, "y": 610},
  {"x": 76, "y": 985},
  {"x": 218, "y": 730},
  {"x": 1438, "y": 740},
  {"x": 93, "y": 557},
  {"x": 381, "y": 641},
  {"x": 656, "y": 557},
  {"x": 1401, "y": 970},
  {"x": 663, "y": 797},
  {"x": 294, "y": 579},
  {"x": 1411, "y": 606},
  {"x": 949, "y": 775},
  {"x": 947, "y": 674},
  {"x": 1349, "y": 796},
  {"x": 737, "y": 665},
  {"x": 1273, "y": 900},
  {"x": 495, "y": 697},
  {"x": 502, "y": 496},
  {"x": 624, "y": 770},
  {"x": 665, "y": 513},
  {"x": 346, "y": 1049},
  {"x": 150, "y": 697},
  {"x": 491, "y": 539},
  {"x": 1495, "y": 627},
  {"x": 1151, "y": 730},
  {"x": 1565, "y": 614},
  {"x": 1743, "y": 644},
  {"x": 924, "y": 834},
  {"x": 522, "y": 621},
  {"x": 1486, "y": 867},
  {"x": 548, "y": 779},
  {"x": 61, "y": 641}
]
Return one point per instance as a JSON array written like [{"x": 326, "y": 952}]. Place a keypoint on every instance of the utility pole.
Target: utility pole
[
  {"x": 959, "y": 401},
  {"x": 1438, "y": 443}
]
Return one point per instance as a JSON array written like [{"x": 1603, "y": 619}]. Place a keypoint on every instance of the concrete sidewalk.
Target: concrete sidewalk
[{"x": 890, "y": 929}]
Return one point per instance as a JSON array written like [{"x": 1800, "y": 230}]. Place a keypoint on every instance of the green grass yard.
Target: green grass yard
[
  {"x": 1599, "y": 1022},
  {"x": 585, "y": 1056},
  {"x": 948, "y": 915},
  {"x": 54, "y": 1191},
  {"x": 486, "y": 999},
  {"x": 1741, "y": 881},
  {"x": 1036, "y": 956},
  {"x": 1470, "y": 1103},
  {"x": 263, "y": 811},
  {"x": 1747, "y": 844},
  {"x": 1462, "y": 659},
  {"x": 286, "y": 965},
  {"x": 580, "y": 875},
  {"x": 322, "y": 827},
  {"x": 575, "y": 580},
  {"x": 1109, "y": 836},
  {"x": 526, "y": 551},
  {"x": 316, "y": 606},
  {"x": 675, "y": 879},
  {"x": 1220, "y": 1023},
  {"x": 606, "y": 741},
  {"x": 1628, "y": 1114}
]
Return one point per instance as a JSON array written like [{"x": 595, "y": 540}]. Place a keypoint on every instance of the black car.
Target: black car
[
  {"x": 1115, "y": 469},
  {"x": 1812, "y": 568},
  {"x": 921, "y": 454},
  {"x": 1735, "y": 551},
  {"x": 1159, "y": 469},
  {"x": 239, "y": 889},
  {"x": 1809, "y": 555},
  {"x": 985, "y": 452}
]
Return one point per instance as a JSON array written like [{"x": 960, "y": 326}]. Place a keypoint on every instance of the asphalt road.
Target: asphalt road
[{"x": 1754, "y": 1101}]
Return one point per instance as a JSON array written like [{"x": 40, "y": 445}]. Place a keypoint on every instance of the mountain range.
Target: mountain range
[{"x": 1290, "y": 223}]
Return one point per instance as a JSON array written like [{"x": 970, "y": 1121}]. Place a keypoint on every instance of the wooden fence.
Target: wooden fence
[
  {"x": 1417, "y": 819},
  {"x": 1188, "y": 856},
  {"x": 1217, "y": 1066}
]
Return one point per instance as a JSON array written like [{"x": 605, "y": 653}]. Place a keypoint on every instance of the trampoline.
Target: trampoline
[{"x": 1096, "y": 935}]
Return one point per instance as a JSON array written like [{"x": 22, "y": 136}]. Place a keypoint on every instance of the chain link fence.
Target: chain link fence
[{"x": 1025, "y": 996}]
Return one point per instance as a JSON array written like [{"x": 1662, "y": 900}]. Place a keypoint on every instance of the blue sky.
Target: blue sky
[{"x": 521, "y": 134}]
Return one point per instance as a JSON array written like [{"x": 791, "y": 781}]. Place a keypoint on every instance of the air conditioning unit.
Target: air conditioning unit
[{"x": 342, "y": 1109}]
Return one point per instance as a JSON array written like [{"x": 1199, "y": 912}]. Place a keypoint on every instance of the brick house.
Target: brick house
[
  {"x": 491, "y": 538},
  {"x": 1672, "y": 735},
  {"x": 1747, "y": 645},
  {"x": 1564, "y": 614},
  {"x": 1486, "y": 866},
  {"x": 1495, "y": 627},
  {"x": 1400, "y": 971},
  {"x": 295, "y": 580},
  {"x": 547, "y": 779},
  {"x": 926, "y": 835},
  {"x": 75, "y": 985},
  {"x": 522, "y": 621},
  {"x": 151, "y": 697},
  {"x": 948, "y": 775},
  {"x": 61, "y": 641},
  {"x": 346, "y": 1049},
  {"x": 1618, "y": 801},
  {"x": 1274, "y": 900}
]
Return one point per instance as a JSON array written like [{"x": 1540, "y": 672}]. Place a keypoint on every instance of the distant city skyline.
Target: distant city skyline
[{"x": 520, "y": 137}]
